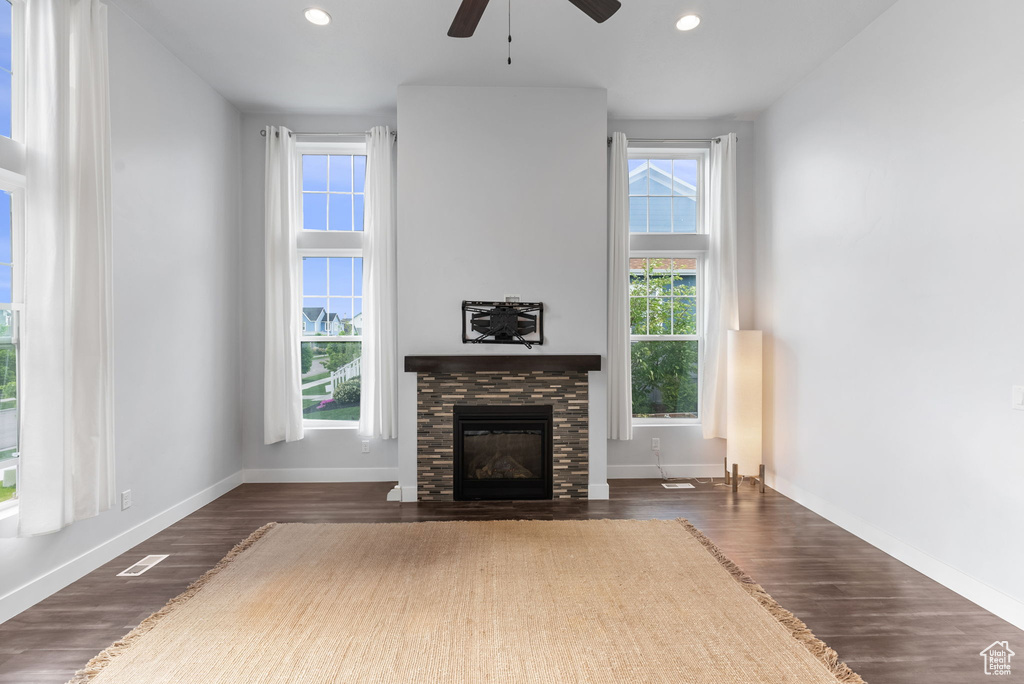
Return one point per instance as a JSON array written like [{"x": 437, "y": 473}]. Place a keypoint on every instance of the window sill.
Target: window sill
[
  {"x": 666, "y": 422},
  {"x": 317, "y": 425}
]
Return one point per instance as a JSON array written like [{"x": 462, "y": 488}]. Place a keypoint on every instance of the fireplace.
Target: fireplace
[
  {"x": 502, "y": 452},
  {"x": 546, "y": 382}
]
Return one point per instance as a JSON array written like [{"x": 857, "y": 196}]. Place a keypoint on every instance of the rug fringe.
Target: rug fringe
[
  {"x": 818, "y": 648},
  {"x": 97, "y": 664}
]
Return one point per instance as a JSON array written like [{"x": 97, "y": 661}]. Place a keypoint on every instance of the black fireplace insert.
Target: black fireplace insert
[{"x": 502, "y": 452}]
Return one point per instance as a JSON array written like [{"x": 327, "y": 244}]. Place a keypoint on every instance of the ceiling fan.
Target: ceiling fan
[{"x": 470, "y": 12}]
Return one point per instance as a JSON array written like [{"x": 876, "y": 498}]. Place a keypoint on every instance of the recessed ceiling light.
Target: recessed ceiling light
[
  {"x": 688, "y": 23},
  {"x": 315, "y": 15}
]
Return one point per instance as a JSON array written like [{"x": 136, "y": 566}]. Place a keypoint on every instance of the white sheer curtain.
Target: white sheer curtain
[
  {"x": 378, "y": 409},
  {"x": 66, "y": 382},
  {"x": 282, "y": 393},
  {"x": 620, "y": 390},
  {"x": 721, "y": 309}
]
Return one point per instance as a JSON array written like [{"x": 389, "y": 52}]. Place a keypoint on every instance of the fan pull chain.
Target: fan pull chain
[{"x": 510, "y": 32}]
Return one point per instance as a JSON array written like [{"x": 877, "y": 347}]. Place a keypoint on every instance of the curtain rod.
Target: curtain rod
[
  {"x": 360, "y": 136},
  {"x": 675, "y": 141}
]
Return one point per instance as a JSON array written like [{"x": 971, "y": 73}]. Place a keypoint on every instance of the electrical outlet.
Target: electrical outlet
[
  {"x": 512, "y": 298},
  {"x": 366, "y": 446},
  {"x": 655, "y": 444},
  {"x": 126, "y": 499},
  {"x": 1018, "y": 397}
]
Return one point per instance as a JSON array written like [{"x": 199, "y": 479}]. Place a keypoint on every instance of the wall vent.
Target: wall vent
[
  {"x": 677, "y": 485},
  {"x": 142, "y": 566}
]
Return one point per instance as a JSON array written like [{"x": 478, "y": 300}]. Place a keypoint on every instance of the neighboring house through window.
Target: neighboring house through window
[
  {"x": 330, "y": 255},
  {"x": 666, "y": 223},
  {"x": 316, "y": 320}
]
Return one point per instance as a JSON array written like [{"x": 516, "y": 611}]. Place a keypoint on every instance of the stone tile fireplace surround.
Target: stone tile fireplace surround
[{"x": 443, "y": 382}]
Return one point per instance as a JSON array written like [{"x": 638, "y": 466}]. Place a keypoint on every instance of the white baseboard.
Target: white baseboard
[
  {"x": 29, "y": 594},
  {"x": 989, "y": 598},
  {"x": 649, "y": 470},
  {"x": 409, "y": 494},
  {"x": 597, "y": 492},
  {"x": 321, "y": 475}
]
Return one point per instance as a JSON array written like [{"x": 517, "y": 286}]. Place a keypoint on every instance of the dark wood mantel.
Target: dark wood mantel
[{"x": 519, "y": 362}]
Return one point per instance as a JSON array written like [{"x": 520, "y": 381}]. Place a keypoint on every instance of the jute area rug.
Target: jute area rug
[{"x": 508, "y": 601}]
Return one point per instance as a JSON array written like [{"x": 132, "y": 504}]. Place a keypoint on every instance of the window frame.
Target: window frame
[
  {"x": 647, "y": 245},
  {"x": 326, "y": 244}
]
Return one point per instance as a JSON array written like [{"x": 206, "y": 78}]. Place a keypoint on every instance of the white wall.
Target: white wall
[
  {"x": 891, "y": 240},
  {"x": 502, "y": 191},
  {"x": 324, "y": 454},
  {"x": 684, "y": 451},
  {"x": 176, "y": 314}
]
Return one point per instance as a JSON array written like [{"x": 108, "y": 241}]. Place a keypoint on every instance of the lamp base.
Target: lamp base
[{"x": 733, "y": 479}]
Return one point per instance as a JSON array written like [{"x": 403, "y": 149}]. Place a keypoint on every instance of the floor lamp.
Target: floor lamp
[{"x": 743, "y": 406}]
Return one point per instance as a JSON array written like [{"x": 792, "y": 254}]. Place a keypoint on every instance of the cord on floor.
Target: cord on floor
[{"x": 666, "y": 478}]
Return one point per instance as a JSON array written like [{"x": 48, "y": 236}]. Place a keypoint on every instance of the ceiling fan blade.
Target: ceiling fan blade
[
  {"x": 467, "y": 18},
  {"x": 598, "y": 10}
]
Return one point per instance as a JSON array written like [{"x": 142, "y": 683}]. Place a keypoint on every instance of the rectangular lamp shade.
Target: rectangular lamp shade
[{"x": 743, "y": 405}]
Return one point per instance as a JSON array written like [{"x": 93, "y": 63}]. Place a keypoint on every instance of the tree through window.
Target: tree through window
[{"x": 664, "y": 340}]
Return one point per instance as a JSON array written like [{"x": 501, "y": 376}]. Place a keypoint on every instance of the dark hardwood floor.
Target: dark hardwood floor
[{"x": 888, "y": 622}]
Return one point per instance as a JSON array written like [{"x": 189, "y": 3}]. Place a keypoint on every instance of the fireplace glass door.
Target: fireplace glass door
[{"x": 502, "y": 452}]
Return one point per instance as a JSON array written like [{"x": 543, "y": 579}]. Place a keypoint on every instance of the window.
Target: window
[
  {"x": 665, "y": 195},
  {"x": 665, "y": 346},
  {"x": 666, "y": 191},
  {"x": 12, "y": 183},
  {"x": 8, "y": 358},
  {"x": 330, "y": 329},
  {"x": 332, "y": 191},
  {"x": 7, "y": 82}
]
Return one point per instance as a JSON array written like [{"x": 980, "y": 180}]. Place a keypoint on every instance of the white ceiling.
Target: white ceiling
[{"x": 264, "y": 56}]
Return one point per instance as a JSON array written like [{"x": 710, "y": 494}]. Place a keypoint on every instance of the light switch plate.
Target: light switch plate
[{"x": 1018, "y": 397}]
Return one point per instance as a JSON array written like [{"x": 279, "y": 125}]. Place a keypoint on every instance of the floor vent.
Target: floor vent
[
  {"x": 677, "y": 485},
  {"x": 141, "y": 567}
]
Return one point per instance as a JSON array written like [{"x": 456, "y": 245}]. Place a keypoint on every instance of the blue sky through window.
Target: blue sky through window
[
  {"x": 341, "y": 278},
  {"x": 341, "y": 173},
  {"x": 314, "y": 173},
  {"x": 332, "y": 192},
  {"x": 6, "y": 62}
]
